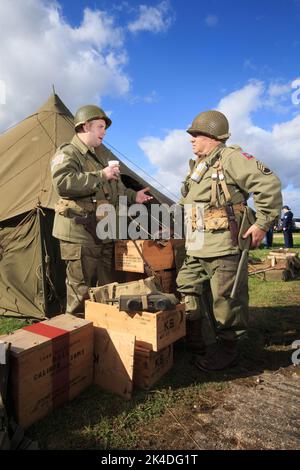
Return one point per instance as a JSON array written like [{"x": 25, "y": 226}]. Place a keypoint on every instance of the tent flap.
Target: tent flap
[{"x": 21, "y": 291}]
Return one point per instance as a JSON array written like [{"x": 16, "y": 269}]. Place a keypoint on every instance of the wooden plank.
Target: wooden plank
[
  {"x": 154, "y": 330},
  {"x": 113, "y": 361}
]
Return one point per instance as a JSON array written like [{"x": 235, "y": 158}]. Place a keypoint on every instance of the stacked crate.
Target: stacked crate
[
  {"x": 133, "y": 348},
  {"x": 151, "y": 334},
  {"x": 160, "y": 255},
  {"x": 51, "y": 362},
  {"x": 285, "y": 264}
]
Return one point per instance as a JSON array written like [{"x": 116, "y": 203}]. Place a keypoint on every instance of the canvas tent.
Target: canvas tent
[{"x": 32, "y": 275}]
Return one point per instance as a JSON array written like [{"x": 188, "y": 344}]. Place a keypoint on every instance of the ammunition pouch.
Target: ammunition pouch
[
  {"x": 217, "y": 219},
  {"x": 216, "y": 223}
]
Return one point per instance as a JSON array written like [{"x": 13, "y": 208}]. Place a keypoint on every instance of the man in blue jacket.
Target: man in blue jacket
[{"x": 287, "y": 226}]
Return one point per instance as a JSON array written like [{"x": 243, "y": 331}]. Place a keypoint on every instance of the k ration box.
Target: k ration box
[{"x": 51, "y": 363}]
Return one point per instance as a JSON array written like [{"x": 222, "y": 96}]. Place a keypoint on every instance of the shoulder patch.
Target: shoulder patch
[
  {"x": 247, "y": 155},
  {"x": 263, "y": 168},
  {"x": 57, "y": 160}
]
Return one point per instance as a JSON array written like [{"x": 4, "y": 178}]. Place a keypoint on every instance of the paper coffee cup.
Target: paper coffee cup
[{"x": 113, "y": 163}]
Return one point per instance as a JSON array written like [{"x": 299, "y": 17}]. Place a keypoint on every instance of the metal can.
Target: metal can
[{"x": 199, "y": 171}]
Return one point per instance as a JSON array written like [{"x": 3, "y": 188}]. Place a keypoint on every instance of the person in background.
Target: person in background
[
  {"x": 268, "y": 240},
  {"x": 287, "y": 227}
]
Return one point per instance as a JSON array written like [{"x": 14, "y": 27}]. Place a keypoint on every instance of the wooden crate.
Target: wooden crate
[
  {"x": 154, "y": 330},
  {"x": 113, "y": 361},
  {"x": 51, "y": 363},
  {"x": 167, "y": 279},
  {"x": 128, "y": 258},
  {"x": 150, "y": 366},
  {"x": 279, "y": 275}
]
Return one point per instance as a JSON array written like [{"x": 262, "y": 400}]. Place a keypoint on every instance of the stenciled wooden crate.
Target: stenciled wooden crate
[
  {"x": 154, "y": 330},
  {"x": 151, "y": 366},
  {"x": 50, "y": 363},
  {"x": 113, "y": 361},
  {"x": 158, "y": 256}
]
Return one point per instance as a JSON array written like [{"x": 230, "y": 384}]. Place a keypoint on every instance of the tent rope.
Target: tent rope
[{"x": 141, "y": 169}]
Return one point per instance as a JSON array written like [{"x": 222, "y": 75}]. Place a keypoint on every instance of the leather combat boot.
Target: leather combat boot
[{"x": 219, "y": 356}]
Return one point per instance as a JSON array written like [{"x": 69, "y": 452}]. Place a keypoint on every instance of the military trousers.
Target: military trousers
[
  {"x": 206, "y": 284},
  {"x": 86, "y": 266}
]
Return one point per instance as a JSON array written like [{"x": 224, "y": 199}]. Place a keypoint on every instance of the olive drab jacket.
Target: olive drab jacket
[
  {"x": 244, "y": 175},
  {"x": 78, "y": 179}
]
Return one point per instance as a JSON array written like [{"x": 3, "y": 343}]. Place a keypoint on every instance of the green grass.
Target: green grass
[
  {"x": 7, "y": 325},
  {"x": 99, "y": 420}
]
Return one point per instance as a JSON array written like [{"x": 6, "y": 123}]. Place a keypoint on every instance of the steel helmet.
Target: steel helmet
[
  {"x": 89, "y": 112},
  {"x": 212, "y": 124}
]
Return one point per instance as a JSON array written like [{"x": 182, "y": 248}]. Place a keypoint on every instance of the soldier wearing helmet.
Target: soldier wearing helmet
[
  {"x": 221, "y": 179},
  {"x": 83, "y": 179}
]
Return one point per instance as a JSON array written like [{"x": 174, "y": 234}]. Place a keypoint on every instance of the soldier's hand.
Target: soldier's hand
[
  {"x": 141, "y": 197},
  {"x": 257, "y": 235},
  {"x": 111, "y": 172}
]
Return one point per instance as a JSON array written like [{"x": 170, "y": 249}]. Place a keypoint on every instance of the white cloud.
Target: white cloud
[
  {"x": 148, "y": 99},
  {"x": 278, "y": 147},
  {"x": 170, "y": 155},
  {"x": 291, "y": 198},
  {"x": 153, "y": 19},
  {"x": 211, "y": 20},
  {"x": 38, "y": 48},
  {"x": 279, "y": 89}
]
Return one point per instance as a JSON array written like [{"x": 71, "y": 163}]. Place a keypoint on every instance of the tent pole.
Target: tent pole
[{"x": 43, "y": 270}]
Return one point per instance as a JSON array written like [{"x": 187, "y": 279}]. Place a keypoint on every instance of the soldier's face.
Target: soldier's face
[
  {"x": 201, "y": 144},
  {"x": 95, "y": 130}
]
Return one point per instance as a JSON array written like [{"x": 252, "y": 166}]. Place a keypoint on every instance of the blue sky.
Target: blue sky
[{"x": 154, "y": 65}]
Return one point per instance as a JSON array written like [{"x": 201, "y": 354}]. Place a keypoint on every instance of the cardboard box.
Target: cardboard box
[
  {"x": 150, "y": 366},
  {"x": 51, "y": 363},
  {"x": 128, "y": 258},
  {"x": 154, "y": 330}
]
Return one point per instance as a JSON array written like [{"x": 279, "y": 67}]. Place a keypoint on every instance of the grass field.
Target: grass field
[{"x": 99, "y": 420}]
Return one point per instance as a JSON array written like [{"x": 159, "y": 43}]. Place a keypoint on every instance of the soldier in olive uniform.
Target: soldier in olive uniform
[
  {"x": 222, "y": 179},
  {"x": 83, "y": 180}
]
